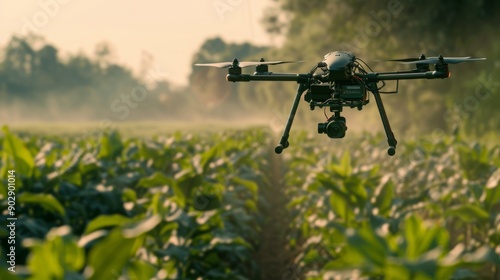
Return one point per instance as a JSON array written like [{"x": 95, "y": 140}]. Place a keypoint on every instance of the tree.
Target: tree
[
  {"x": 18, "y": 65},
  {"x": 47, "y": 68},
  {"x": 207, "y": 84}
]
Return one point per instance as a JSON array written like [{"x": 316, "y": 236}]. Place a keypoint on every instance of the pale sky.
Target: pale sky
[{"x": 171, "y": 31}]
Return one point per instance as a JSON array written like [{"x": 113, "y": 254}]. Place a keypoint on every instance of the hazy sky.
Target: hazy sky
[{"x": 171, "y": 31}]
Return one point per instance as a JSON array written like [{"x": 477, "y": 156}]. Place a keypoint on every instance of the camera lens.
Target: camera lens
[{"x": 336, "y": 129}]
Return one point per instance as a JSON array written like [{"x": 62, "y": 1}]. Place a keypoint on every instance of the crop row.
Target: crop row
[
  {"x": 432, "y": 212},
  {"x": 177, "y": 207}
]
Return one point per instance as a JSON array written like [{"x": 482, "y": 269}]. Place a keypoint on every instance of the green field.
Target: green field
[{"x": 214, "y": 202}]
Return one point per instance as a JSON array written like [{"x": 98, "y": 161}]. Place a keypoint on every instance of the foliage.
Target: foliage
[
  {"x": 188, "y": 206},
  {"x": 430, "y": 213},
  {"x": 180, "y": 207}
]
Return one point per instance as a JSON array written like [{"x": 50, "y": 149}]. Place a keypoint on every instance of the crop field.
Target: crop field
[{"x": 221, "y": 205}]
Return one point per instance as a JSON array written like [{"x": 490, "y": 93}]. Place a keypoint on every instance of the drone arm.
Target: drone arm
[
  {"x": 299, "y": 78},
  {"x": 375, "y": 77},
  {"x": 401, "y": 72}
]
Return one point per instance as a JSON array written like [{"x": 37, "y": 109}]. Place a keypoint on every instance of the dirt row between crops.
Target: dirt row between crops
[{"x": 273, "y": 257}]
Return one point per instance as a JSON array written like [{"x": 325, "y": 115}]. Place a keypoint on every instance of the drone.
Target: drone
[{"x": 341, "y": 80}]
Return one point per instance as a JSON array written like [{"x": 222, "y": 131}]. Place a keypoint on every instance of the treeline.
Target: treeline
[{"x": 36, "y": 83}]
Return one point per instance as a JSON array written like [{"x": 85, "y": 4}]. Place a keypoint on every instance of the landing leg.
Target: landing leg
[
  {"x": 391, "y": 140},
  {"x": 284, "y": 138}
]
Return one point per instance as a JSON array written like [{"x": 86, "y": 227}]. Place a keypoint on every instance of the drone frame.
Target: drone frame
[{"x": 370, "y": 79}]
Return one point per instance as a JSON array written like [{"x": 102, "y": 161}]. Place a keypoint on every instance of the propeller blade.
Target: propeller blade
[
  {"x": 244, "y": 64},
  {"x": 411, "y": 60},
  {"x": 449, "y": 60},
  {"x": 218, "y": 65},
  {"x": 401, "y": 59}
]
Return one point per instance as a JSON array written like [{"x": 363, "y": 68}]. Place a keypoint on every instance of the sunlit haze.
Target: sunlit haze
[{"x": 171, "y": 31}]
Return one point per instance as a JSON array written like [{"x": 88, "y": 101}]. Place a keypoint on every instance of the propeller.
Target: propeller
[
  {"x": 249, "y": 63},
  {"x": 448, "y": 60},
  {"x": 243, "y": 64},
  {"x": 434, "y": 59}
]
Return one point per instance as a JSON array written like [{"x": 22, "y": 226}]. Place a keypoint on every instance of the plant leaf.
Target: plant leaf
[{"x": 46, "y": 201}]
